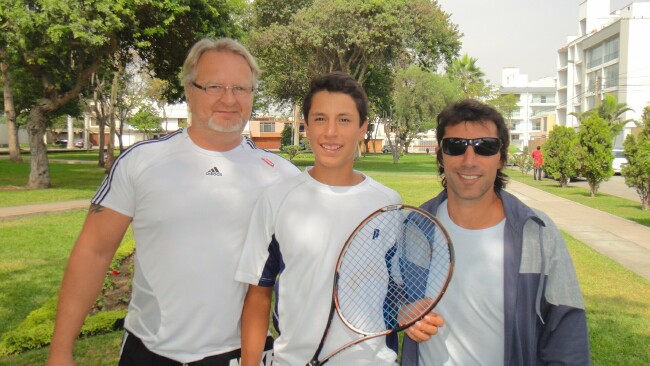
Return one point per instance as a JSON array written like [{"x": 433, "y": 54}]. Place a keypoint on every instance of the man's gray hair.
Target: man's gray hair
[{"x": 188, "y": 74}]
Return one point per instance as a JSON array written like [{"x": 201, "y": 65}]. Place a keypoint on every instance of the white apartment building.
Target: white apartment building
[
  {"x": 536, "y": 101},
  {"x": 610, "y": 55}
]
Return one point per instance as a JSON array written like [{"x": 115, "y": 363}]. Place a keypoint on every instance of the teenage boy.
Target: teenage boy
[{"x": 298, "y": 229}]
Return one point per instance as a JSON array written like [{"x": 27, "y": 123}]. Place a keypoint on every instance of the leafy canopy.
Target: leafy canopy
[
  {"x": 561, "y": 154},
  {"x": 595, "y": 151},
  {"x": 637, "y": 169}
]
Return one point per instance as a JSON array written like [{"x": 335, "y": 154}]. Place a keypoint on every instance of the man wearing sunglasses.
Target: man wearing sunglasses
[{"x": 514, "y": 298}]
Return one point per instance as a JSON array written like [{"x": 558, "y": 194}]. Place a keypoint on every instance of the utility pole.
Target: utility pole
[
  {"x": 598, "y": 90},
  {"x": 296, "y": 125}
]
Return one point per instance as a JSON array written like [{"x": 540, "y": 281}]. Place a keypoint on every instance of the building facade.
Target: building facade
[
  {"x": 535, "y": 115},
  {"x": 610, "y": 55}
]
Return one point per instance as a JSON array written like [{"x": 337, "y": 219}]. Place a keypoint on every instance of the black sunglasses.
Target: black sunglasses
[{"x": 484, "y": 146}]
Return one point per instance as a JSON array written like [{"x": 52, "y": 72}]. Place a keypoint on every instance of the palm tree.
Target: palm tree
[
  {"x": 469, "y": 76},
  {"x": 611, "y": 111}
]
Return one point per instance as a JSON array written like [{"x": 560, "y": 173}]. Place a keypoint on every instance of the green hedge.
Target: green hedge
[{"x": 37, "y": 328}]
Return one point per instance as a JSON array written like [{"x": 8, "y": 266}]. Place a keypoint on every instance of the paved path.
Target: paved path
[
  {"x": 17, "y": 211},
  {"x": 623, "y": 240}
]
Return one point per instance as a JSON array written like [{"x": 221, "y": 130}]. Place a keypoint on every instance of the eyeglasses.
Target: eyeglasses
[
  {"x": 484, "y": 146},
  {"x": 218, "y": 90}
]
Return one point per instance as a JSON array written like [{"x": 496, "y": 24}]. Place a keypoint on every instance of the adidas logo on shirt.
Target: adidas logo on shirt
[{"x": 213, "y": 171}]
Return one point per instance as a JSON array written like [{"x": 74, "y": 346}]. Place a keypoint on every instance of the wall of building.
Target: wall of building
[
  {"x": 583, "y": 83},
  {"x": 4, "y": 136}
]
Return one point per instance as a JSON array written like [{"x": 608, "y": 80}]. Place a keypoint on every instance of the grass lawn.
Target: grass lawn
[
  {"x": 34, "y": 251},
  {"x": 614, "y": 205},
  {"x": 69, "y": 182}
]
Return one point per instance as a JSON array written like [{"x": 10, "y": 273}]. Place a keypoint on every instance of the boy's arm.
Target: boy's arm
[{"x": 255, "y": 324}]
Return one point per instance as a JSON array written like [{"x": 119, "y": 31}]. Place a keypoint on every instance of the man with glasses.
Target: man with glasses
[
  {"x": 514, "y": 298},
  {"x": 188, "y": 197}
]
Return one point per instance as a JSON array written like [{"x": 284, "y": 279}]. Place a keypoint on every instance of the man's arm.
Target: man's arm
[
  {"x": 255, "y": 324},
  {"x": 564, "y": 337},
  {"x": 93, "y": 251}
]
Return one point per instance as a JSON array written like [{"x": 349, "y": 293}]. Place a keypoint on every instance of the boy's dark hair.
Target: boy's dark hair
[
  {"x": 337, "y": 82},
  {"x": 473, "y": 111}
]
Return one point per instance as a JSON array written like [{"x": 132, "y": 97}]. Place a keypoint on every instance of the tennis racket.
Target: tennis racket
[{"x": 391, "y": 272}]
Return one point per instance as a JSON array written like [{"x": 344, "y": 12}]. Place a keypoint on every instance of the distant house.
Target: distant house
[{"x": 266, "y": 132}]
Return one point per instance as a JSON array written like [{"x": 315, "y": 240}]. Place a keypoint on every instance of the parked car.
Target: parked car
[
  {"x": 77, "y": 142},
  {"x": 386, "y": 149},
  {"x": 619, "y": 161}
]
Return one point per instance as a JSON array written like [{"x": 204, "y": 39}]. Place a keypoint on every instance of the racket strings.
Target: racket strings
[{"x": 392, "y": 271}]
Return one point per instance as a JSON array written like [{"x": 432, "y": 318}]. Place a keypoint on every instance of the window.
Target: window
[
  {"x": 594, "y": 56},
  {"x": 611, "y": 76},
  {"x": 536, "y": 125},
  {"x": 610, "y": 49},
  {"x": 591, "y": 81},
  {"x": 267, "y": 127},
  {"x": 543, "y": 98},
  {"x": 514, "y": 137}
]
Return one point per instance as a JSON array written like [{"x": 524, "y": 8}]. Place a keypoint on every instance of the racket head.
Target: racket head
[{"x": 392, "y": 270}]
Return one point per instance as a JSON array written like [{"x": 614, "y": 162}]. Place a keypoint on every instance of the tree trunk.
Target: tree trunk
[
  {"x": 39, "y": 175},
  {"x": 111, "y": 120},
  {"x": 10, "y": 112},
  {"x": 593, "y": 188},
  {"x": 644, "y": 195}
]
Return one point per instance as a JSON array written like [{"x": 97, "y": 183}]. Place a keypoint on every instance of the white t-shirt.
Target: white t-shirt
[
  {"x": 311, "y": 222},
  {"x": 190, "y": 210},
  {"x": 473, "y": 303}
]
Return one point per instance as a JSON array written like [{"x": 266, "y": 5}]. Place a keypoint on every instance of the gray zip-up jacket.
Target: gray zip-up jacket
[{"x": 545, "y": 321}]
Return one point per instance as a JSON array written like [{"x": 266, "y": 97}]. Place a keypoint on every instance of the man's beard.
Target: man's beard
[{"x": 230, "y": 126}]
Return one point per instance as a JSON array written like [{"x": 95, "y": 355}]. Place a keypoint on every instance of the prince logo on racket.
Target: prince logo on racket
[{"x": 297, "y": 232}]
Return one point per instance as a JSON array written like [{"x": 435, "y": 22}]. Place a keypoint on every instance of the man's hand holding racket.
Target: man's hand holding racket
[{"x": 424, "y": 328}]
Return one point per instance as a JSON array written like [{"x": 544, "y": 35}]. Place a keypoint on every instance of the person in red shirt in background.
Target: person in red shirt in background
[{"x": 538, "y": 161}]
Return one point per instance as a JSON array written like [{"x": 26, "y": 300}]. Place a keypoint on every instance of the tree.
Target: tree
[
  {"x": 418, "y": 96},
  {"x": 350, "y": 36},
  {"x": 523, "y": 161},
  {"x": 637, "y": 169},
  {"x": 506, "y": 104},
  {"x": 146, "y": 121},
  {"x": 595, "y": 152},
  {"x": 10, "y": 110},
  {"x": 561, "y": 154},
  {"x": 62, "y": 44},
  {"x": 609, "y": 110},
  {"x": 285, "y": 136},
  {"x": 134, "y": 84},
  {"x": 469, "y": 76},
  {"x": 268, "y": 12}
]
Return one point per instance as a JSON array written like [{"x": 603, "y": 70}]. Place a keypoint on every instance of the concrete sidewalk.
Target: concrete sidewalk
[
  {"x": 625, "y": 241},
  {"x": 17, "y": 211}
]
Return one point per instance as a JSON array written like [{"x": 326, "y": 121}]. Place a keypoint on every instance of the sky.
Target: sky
[{"x": 514, "y": 33}]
